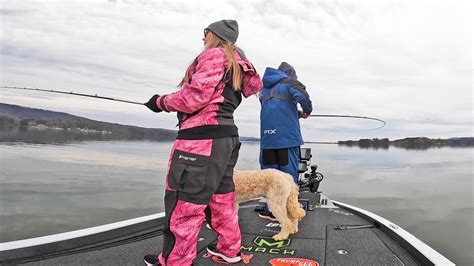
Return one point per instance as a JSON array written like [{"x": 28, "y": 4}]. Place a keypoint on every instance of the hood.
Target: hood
[
  {"x": 288, "y": 69},
  {"x": 272, "y": 76}
]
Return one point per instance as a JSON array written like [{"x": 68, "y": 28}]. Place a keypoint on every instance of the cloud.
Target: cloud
[{"x": 400, "y": 61}]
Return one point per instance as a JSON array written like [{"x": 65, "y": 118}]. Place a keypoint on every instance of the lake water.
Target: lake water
[{"x": 47, "y": 189}]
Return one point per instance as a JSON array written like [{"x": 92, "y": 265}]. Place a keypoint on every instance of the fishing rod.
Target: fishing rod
[
  {"x": 126, "y": 101},
  {"x": 356, "y": 116},
  {"x": 71, "y": 93}
]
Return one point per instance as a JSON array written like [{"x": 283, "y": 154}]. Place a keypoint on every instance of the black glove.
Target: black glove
[
  {"x": 151, "y": 104},
  {"x": 302, "y": 114}
]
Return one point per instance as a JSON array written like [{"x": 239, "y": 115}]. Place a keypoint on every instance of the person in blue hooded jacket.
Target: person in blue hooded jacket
[{"x": 280, "y": 134}]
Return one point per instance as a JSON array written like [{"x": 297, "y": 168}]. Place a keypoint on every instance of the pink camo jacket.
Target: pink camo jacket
[{"x": 204, "y": 92}]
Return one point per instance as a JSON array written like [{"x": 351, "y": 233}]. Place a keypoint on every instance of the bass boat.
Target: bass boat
[{"x": 332, "y": 233}]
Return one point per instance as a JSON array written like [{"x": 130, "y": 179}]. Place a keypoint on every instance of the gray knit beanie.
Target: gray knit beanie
[{"x": 226, "y": 29}]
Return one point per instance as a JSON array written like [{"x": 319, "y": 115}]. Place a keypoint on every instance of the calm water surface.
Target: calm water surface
[{"x": 47, "y": 189}]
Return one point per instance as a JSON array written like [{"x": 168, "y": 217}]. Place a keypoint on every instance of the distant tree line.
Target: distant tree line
[
  {"x": 19, "y": 123},
  {"x": 31, "y": 130},
  {"x": 418, "y": 143}
]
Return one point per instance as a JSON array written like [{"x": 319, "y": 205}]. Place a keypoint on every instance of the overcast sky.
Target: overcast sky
[{"x": 406, "y": 62}]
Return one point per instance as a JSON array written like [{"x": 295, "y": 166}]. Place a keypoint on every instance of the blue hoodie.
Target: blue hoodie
[{"x": 279, "y": 121}]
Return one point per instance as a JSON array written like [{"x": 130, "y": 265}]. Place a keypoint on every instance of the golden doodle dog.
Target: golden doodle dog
[{"x": 280, "y": 191}]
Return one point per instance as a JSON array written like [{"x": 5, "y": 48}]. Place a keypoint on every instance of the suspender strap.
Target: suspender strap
[{"x": 273, "y": 95}]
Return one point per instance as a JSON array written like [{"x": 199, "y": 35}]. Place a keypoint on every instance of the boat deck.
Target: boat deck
[{"x": 317, "y": 241}]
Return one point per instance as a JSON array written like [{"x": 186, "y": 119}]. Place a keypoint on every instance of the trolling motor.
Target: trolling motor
[
  {"x": 312, "y": 180},
  {"x": 308, "y": 180}
]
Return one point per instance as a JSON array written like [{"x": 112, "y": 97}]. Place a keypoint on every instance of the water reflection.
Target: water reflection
[{"x": 48, "y": 189}]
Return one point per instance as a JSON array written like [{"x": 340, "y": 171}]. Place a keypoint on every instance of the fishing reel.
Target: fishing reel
[{"x": 308, "y": 180}]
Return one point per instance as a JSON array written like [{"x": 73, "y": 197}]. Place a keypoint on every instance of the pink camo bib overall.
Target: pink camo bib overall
[{"x": 199, "y": 182}]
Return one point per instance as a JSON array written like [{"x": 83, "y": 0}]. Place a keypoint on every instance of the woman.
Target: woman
[{"x": 199, "y": 183}]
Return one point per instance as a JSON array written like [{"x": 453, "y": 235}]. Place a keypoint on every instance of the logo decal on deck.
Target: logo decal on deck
[
  {"x": 293, "y": 262},
  {"x": 339, "y": 211},
  {"x": 269, "y": 242},
  {"x": 246, "y": 258},
  {"x": 269, "y": 230},
  {"x": 273, "y": 225},
  {"x": 268, "y": 245}
]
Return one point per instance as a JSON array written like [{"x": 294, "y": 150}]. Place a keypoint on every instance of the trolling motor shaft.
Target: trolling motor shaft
[{"x": 309, "y": 181}]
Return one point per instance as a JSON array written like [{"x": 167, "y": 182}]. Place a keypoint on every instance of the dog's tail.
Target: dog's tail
[{"x": 293, "y": 206}]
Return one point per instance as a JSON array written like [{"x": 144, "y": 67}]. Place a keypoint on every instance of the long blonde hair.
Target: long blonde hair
[{"x": 228, "y": 48}]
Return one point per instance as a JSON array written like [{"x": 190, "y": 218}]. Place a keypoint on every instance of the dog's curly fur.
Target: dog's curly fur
[{"x": 280, "y": 191}]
